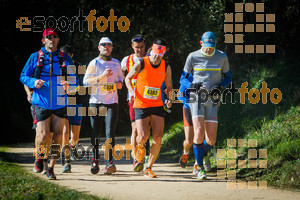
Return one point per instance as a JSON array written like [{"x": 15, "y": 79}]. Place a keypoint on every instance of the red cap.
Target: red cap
[{"x": 49, "y": 31}]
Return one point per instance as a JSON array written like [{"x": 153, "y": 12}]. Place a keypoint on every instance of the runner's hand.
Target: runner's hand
[
  {"x": 131, "y": 97},
  {"x": 65, "y": 84},
  {"x": 119, "y": 85},
  {"x": 39, "y": 83},
  {"x": 107, "y": 72},
  {"x": 168, "y": 103}
]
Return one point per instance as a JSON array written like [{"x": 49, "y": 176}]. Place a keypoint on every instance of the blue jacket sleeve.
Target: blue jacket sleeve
[
  {"x": 185, "y": 80},
  {"x": 28, "y": 70},
  {"x": 227, "y": 79}
]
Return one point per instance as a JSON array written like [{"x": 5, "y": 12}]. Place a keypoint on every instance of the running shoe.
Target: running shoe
[
  {"x": 138, "y": 166},
  {"x": 206, "y": 164},
  {"x": 50, "y": 174},
  {"x": 139, "y": 153},
  {"x": 74, "y": 154},
  {"x": 183, "y": 160},
  {"x": 67, "y": 168},
  {"x": 201, "y": 175},
  {"x": 149, "y": 173},
  {"x": 45, "y": 168},
  {"x": 196, "y": 169},
  {"x": 95, "y": 166},
  {"x": 110, "y": 168},
  {"x": 38, "y": 166}
]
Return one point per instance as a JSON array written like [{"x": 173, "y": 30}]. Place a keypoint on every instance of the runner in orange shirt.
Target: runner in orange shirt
[{"x": 148, "y": 106}]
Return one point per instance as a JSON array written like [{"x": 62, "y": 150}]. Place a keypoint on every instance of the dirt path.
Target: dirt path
[{"x": 173, "y": 182}]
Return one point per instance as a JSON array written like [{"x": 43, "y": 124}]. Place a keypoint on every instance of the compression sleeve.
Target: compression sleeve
[{"x": 227, "y": 79}]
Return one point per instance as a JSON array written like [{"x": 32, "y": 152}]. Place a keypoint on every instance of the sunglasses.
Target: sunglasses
[
  {"x": 108, "y": 44},
  {"x": 138, "y": 40},
  {"x": 51, "y": 37}
]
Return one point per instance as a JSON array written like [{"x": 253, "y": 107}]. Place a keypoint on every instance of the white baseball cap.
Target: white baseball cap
[{"x": 105, "y": 40}]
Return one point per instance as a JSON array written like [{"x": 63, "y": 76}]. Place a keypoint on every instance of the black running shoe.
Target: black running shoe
[
  {"x": 95, "y": 166},
  {"x": 50, "y": 174},
  {"x": 38, "y": 166}
]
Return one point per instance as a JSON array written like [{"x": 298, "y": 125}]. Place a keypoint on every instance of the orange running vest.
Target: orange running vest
[{"x": 149, "y": 81}]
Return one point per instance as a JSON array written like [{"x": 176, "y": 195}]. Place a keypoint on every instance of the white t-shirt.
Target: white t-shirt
[{"x": 104, "y": 92}]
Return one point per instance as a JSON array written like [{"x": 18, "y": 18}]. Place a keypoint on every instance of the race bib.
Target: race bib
[
  {"x": 108, "y": 87},
  {"x": 151, "y": 93}
]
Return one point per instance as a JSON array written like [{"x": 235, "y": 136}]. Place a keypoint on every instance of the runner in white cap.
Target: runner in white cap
[{"x": 105, "y": 76}]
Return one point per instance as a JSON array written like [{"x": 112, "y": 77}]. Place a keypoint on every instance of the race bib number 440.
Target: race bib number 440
[{"x": 151, "y": 93}]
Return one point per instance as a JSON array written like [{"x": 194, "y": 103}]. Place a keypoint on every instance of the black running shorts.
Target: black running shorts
[
  {"x": 141, "y": 113},
  {"x": 40, "y": 114}
]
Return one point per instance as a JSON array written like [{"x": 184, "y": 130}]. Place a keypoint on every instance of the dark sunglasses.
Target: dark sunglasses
[
  {"x": 51, "y": 37},
  {"x": 108, "y": 44},
  {"x": 140, "y": 39}
]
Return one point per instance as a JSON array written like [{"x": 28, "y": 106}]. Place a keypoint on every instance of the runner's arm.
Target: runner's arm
[
  {"x": 28, "y": 92},
  {"x": 168, "y": 81},
  {"x": 227, "y": 74},
  {"x": 28, "y": 70},
  {"x": 91, "y": 78},
  {"x": 123, "y": 65},
  {"x": 185, "y": 78},
  {"x": 226, "y": 80},
  {"x": 133, "y": 71}
]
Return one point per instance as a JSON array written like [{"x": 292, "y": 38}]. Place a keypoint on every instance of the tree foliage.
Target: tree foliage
[{"x": 180, "y": 22}]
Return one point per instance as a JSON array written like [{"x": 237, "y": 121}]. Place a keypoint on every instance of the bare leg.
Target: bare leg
[
  {"x": 75, "y": 131},
  {"x": 134, "y": 134},
  {"x": 43, "y": 136},
  {"x": 189, "y": 136},
  {"x": 65, "y": 140},
  {"x": 211, "y": 132},
  {"x": 157, "y": 124},
  {"x": 58, "y": 126}
]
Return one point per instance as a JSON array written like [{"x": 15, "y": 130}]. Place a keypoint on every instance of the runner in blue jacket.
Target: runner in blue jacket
[{"x": 46, "y": 72}]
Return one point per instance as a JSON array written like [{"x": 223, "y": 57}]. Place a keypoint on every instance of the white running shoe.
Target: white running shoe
[
  {"x": 206, "y": 164},
  {"x": 201, "y": 175}
]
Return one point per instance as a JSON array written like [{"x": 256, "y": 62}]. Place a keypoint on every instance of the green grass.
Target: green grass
[
  {"x": 281, "y": 138},
  {"x": 16, "y": 183}
]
